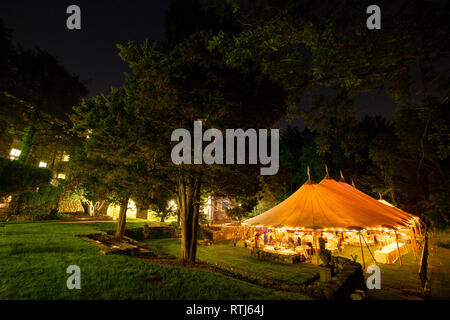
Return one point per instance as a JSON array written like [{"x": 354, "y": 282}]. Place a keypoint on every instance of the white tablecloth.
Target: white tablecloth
[{"x": 389, "y": 253}]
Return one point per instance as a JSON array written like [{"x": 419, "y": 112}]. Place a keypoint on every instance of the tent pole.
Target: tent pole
[
  {"x": 398, "y": 248},
  {"x": 413, "y": 244},
  {"x": 415, "y": 239},
  {"x": 276, "y": 238},
  {"x": 369, "y": 251},
  {"x": 362, "y": 251},
  {"x": 315, "y": 246}
]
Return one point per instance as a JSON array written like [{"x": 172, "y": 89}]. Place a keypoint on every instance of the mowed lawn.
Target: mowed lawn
[
  {"x": 34, "y": 257},
  {"x": 239, "y": 258},
  {"x": 403, "y": 282},
  {"x": 397, "y": 282}
]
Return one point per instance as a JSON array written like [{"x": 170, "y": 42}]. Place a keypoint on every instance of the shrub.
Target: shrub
[
  {"x": 325, "y": 256},
  {"x": 44, "y": 199},
  {"x": 173, "y": 224},
  {"x": 16, "y": 176}
]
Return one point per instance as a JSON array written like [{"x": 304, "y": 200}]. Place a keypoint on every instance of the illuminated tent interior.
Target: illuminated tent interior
[
  {"x": 334, "y": 208},
  {"x": 331, "y": 205}
]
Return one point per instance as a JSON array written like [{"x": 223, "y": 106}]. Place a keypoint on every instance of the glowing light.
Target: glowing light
[
  {"x": 42, "y": 164},
  {"x": 66, "y": 157},
  {"x": 172, "y": 204},
  {"x": 61, "y": 176},
  {"x": 14, "y": 154}
]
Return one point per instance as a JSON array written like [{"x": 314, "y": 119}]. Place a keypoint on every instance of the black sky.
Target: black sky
[{"x": 91, "y": 53}]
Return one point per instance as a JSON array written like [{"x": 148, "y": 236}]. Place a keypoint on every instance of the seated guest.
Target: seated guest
[{"x": 266, "y": 239}]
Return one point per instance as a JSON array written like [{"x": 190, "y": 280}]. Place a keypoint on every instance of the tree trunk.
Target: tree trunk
[
  {"x": 142, "y": 212},
  {"x": 86, "y": 207},
  {"x": 189, "y": 204},
  {"x": 103, "y": 210},
  {"x": 120, "y": 231}
]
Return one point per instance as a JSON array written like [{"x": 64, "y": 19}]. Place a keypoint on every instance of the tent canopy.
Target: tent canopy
[{"x": 331, "y": 205}]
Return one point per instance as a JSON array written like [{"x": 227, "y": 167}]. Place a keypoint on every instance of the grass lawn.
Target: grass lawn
[
  {"x": 239, "y": 258},
  {"x": 439, "y": 264},
  {"x": 403, "y": 282},
  {"x": 397, "y": 282},
  {"x": 34, "y": 257}
]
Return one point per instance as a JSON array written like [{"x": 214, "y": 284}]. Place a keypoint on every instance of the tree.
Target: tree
[
  {"x": 314, "y": 47},
  {"x": 173, "y": 87},
  {"x": 323, "y": 55},
  {"x": 45, "y": 93},
  {"x": 163, "y": 206},
  {"x": 112, "y": 139}
]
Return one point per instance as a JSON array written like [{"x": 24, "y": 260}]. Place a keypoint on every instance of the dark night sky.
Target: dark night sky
[{"x": 90, "y": 52}]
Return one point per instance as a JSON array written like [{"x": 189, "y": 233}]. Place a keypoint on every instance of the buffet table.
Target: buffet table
[{"x": 389, "y": 253}]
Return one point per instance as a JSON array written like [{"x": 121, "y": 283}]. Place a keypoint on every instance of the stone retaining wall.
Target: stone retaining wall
[
  {"x": 349, "y": 279},
  {"x": 223, "y": 233},
  {"x": 70, "y": 206}
]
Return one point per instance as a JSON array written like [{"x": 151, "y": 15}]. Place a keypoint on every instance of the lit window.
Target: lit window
[
  {"x": 61, "y": 176},
  {"x": 224, "y": 205},
  {"x": 42, "y": 164},
  {"x": 14, "y": 154}
]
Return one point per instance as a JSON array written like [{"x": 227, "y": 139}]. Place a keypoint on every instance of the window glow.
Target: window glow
[
  {"x": 61, "y": 176},
  {"x": 14, "y": 154},
  {"x": 42, "y": 164},
  {"x": 66, "y": 157}
]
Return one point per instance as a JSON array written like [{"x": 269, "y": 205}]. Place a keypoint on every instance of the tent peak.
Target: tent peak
[
  {"x": 342, "y": 176},
  {"x": 327, "y": 176}
]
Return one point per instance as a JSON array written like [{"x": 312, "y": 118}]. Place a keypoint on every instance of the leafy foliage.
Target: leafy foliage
[
  {"x": 45, "y": 199},
  {"x": 16, "y": 176}
]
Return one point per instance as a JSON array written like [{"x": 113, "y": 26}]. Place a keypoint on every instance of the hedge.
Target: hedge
[{"x": 16, "y": 176}]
